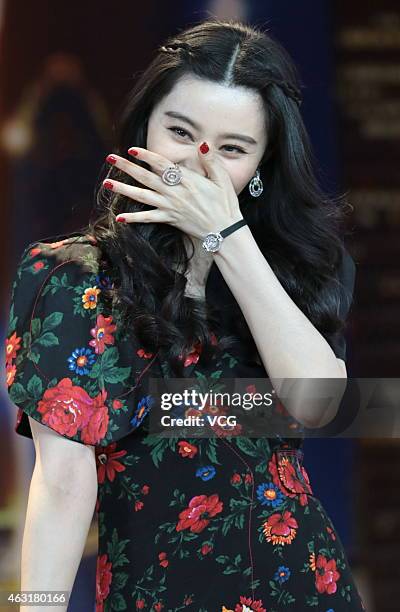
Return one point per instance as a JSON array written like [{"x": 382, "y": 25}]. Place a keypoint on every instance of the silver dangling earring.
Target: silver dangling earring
[{"x": 256, "y": 186}]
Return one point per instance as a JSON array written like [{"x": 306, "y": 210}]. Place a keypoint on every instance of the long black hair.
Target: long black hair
[{"x": 298, "y": 228}]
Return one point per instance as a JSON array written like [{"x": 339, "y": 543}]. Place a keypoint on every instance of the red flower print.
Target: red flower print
[
  {"x": 96, "y": 428},
  {"x": 253, "y": 604},
  {"x": 280, "y": 528},
  {"x": 138, "y": 505},
  {"x": 145, "y": 489},
  {"x": 142, "y": 353},
  {"x": 13, "y": 344},
  {"x": 193, "y": 356},
  {"x": 326, "y": 575},
  {"x": 163, "y": 559},
  {"x": 107, "y": 464},
  {"x": 283, "y": 470},
  {"x": 35, "y": 251},
  {"x": 214, "y": 339},
  {"x": 186, "y": 449},
  {"x": 103, "y": 581},
  {"x": 247, "y": 604},
  {"x": 188, "y": 600},
  {"x": 248, "y": 479},
  {"x": 201, "y": 509},
  {"x": 117, "y": 405},
  {"x": 68, "y": 408},
  {"x": 236, "y": 479},
  {"x": 102, "y": 334},
  {"x": 158, "y": 606},
  {"x": 89, "y": 298},
  {"x": 140, "y": 604},
  {"x": 331, "y": 533},
  {"x": 39, "y": 265},
  {"x": 205, "y": 549},
  {"x": 11, "y": 371}
]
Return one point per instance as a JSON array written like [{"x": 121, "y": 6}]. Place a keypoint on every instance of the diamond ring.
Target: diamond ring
[{"x": 172, "y": 175}]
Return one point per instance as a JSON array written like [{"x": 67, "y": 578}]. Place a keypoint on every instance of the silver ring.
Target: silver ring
[{"x": 172, "y": 175}]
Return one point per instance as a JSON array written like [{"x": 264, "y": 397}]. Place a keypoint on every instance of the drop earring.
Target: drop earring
[{"x": 256, "y": 186}]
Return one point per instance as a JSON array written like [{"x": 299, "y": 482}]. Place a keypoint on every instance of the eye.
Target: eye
[
  {"x": 175, "y": 129},
  {"x": 238, "y": 149}
]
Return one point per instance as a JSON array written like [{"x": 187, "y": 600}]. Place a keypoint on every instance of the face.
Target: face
[{"x": 230, "y": 119}]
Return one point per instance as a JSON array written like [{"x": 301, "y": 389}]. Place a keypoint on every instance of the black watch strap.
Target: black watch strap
[{"x": 228, "y": 230}]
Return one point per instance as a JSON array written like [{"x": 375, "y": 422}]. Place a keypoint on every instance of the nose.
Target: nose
[{"x": 192, "y": 162}]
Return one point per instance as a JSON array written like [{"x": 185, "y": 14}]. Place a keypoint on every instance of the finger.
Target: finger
[
  {"x": 146, "y": 196},
  {"x": 158, "y": 162},
  {"x": 215, "y": 170},
  {"x": 146, "y": 177},
  {"x": 152, "y": 216}
]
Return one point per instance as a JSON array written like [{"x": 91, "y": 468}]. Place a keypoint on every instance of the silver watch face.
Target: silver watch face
[{"x": 212, "y": 242}]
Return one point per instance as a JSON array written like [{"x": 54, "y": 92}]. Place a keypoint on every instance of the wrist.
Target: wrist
[{"x": 213, "y": 240}]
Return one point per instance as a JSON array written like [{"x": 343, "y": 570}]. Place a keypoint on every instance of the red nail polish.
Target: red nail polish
[
  {"x": 111, "y": 159},
  {"x": 121, "y": 220},
  {"x": 204, "y": 148},
  {"x": 108, "y": 185},
  {"x": 133, "y": 152}
]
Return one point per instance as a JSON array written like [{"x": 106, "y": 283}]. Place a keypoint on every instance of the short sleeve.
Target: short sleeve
[
  {"x": 64, "y": 364},
  {"x": 346, "y": 278}
]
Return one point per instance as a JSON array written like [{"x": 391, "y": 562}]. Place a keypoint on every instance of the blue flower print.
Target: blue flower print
[
  {"x": 269, "y": 495},
  {"x": 81, "y": 360},
  {"x": 206, "y": 473},
  {"x": 142, "y": 409},
  {"x": 103, "y": 281},
  {"x": 282, "y": 574}
]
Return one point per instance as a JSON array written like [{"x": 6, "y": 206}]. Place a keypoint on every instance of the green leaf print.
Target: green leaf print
[
  {"x": 117, "y": 602},
  {"x": 55, "y": 284},
  {"x": 105, "y": 371},
  {"x": 159, "y": 444},
  {"x": 32, "y": 393},
  {"x": 48, "y": 339},
  {"x": 115, "y": 550},
  {"x": 12, "y": 319},
  {"x": 211, "y": 451},
  {"x": 247, "y": 446},
  {"x": 119, "y": 580},
  {"x": 18, "y": 393},
  {"x": 35, "y": 387},
  {"x": 52, "y": 321},
  {"x": 41, "y": 334}
]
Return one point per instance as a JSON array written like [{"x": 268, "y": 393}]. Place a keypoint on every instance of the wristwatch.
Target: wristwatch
[{"x": 212, "y": 242}]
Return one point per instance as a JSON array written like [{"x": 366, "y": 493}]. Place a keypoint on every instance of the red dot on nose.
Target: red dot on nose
[{"x": 204, "y": 148}]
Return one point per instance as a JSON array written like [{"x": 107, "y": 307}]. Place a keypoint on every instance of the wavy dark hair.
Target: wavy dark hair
[{"x": 298, "y": 228}]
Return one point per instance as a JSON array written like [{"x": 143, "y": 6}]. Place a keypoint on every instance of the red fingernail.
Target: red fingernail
[
  {"x": 108, "y": 185},
  {"x": 121, "y": 220},
  {"x": 133, "y": 152},
  {"x": 111, "y": 159},
  {"x": 204, "y": 148}
]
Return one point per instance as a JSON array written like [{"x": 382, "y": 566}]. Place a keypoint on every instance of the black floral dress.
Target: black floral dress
[{"x": 217, "y": 524}]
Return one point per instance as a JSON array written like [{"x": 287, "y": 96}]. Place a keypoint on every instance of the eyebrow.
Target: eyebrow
[{"x": 195, "y": 126}]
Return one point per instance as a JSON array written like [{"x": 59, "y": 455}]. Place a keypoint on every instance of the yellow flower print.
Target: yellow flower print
[{"x": 89, "y": 298}]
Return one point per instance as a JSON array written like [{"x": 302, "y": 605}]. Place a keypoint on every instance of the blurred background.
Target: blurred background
[{"x": 64, "y": 70}]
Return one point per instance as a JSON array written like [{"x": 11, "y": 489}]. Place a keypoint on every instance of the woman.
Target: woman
[{"x": 211, "y": 139}]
